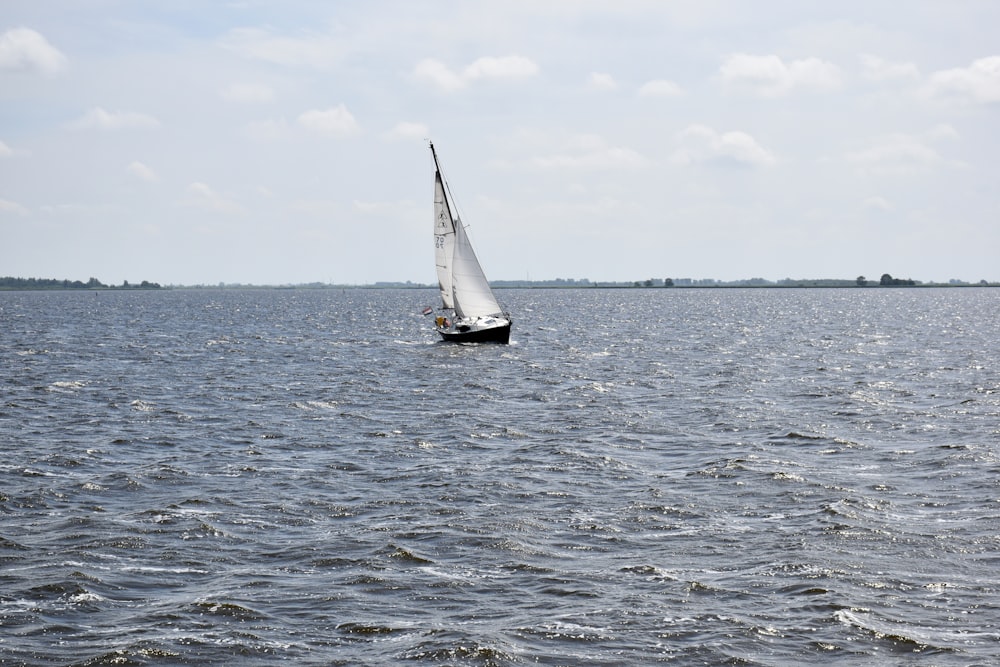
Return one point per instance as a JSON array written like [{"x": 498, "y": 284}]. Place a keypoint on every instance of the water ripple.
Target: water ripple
[{"x": 755, "y": 477}]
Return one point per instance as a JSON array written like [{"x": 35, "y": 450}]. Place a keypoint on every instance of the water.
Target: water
[{"x": 690, "y": 477}]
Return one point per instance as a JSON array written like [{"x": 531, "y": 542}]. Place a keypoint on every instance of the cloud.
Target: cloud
[
  {"x": 26, "y": 50},
  {"x": 7, "y": 206},
  {"x": 507, "y": 67},
  {"x": 247, "y": 93},
  {"x": 978, "y": 83},
  {"x": 5, "y": 150},
  {"x": 660, "y": 88},
  {"x": 487, "y": 68},
  {"x": 201, "y": 196},
  {"x": 770, "y": 76},
  {"x": 311, "y": 50},
  {"x": 601, "y": 81},
  {"x": 902, "y": 153},
  {"x": 874, "y": 68},
  {"x": 142, "y": 172},
  {"x": 407, "y": 130},
  {"x": 438, "y": 75},
  {"x": 336, "y": 122},
  {"x": 98, "y": 118},
  {"x": 701, "y": 143},
  {"x": 590, "y": 152}
]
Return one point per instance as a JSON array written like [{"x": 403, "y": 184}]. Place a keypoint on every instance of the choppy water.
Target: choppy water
[{"x": 748, "y": 477}]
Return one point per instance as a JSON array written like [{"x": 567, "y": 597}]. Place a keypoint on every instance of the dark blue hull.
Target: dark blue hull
[{"x": 498, "y": 334}]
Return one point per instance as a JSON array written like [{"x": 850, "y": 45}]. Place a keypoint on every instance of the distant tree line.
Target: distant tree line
[
  {"x": 888, "y": 280},
  {"x": 9, "y": 282}
]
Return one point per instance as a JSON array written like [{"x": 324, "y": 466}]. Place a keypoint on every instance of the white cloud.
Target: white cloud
[
  {"x": 309, "y": 50},
  {"x": 978, "y": 83},
  {"x": 590, "y": 152},
  {"x": 441, "y": 76},
  {"x": 601, "y": 81},
  {"x": 336, "y": 122},
  {"x": 701, "y": 143},
  {"x": 407, "y": 130},
  {"x": 142, "y": 172},
  {"x": 247, "y": 93},
  {"x": 437, "y": 74},
  {"x": 770, "y": 76},
  {"x": 25, "y": 49},
  {"x": 507, "y": 67},
  {"x": 660, "y": 88},
  {"x": 98, "y": 118},
  {"x": 876, "y": 69},
  {"x": 7, "y": 206},
  {"x": 5, "y": 150},
  {"x": 201, "y": 196},
  {"x": 900, "y": 154}
]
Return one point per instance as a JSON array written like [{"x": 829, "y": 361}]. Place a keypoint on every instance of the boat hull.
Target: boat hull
[{"x": 492, "y": 334}]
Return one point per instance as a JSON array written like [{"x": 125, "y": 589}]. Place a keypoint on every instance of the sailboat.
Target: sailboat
[{"x": 476, "y": 317}]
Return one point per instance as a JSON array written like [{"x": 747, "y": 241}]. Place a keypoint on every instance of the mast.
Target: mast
[
  {"x": 434, "y": 154},
  {"x": 444, "y": 184}
]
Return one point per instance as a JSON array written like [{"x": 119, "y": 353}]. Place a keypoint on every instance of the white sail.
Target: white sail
[
  {"x": 463, "y": 284},
  {"x": 444, "y": 242},
  {"x": 471, "y": 291}
]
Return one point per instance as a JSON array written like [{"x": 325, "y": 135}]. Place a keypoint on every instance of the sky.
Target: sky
[{"x": 197, "y": 142}]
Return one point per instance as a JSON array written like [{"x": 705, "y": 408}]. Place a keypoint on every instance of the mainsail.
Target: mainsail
[
  {"x": 444, "y": 240},
  {"x": 463, "y": 284}
]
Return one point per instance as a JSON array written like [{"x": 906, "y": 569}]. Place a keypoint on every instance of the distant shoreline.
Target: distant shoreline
[
  {"x": 10, "y": 283},
  {"x": 497, "y": 286}
]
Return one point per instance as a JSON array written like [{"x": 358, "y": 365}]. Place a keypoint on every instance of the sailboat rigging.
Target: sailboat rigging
[{"x": 465, "y": 292}]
